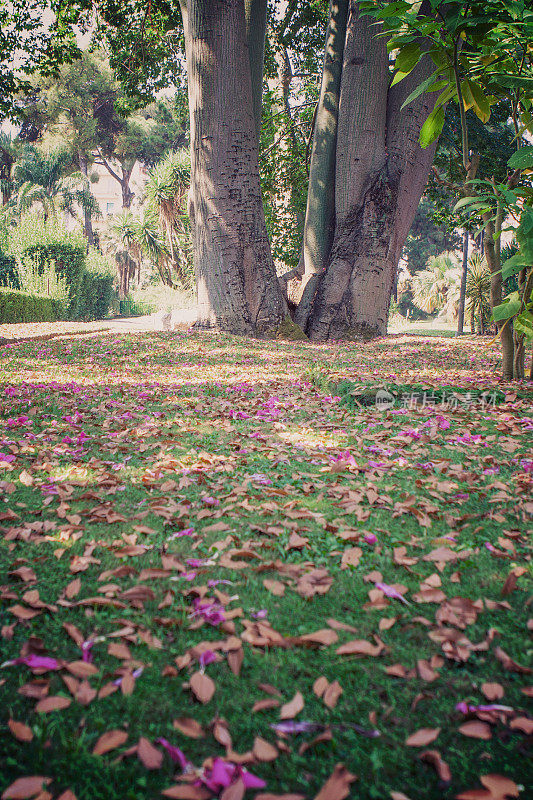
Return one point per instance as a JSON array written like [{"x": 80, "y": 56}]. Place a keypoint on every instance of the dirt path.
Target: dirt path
[{"x": 51, "y": 330}]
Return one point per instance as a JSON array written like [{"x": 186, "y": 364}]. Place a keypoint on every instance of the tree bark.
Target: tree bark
[
  {"x": 462, "y": 290},
  {"x": 319, "y": 224},
  {"x": 238, "y": 290},
  {"x": 256, "y": 22},
  {"x": 505, "y": 328},
  {"x": 381, "y": 172},
  {"x": 286, "y": 202}
]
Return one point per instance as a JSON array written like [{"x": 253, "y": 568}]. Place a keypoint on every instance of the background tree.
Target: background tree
[
  {"x": 380, "y": 174},
  {"x": 9, "y": 150},
  {"x": 482, "y": 57},
  {"x": 166, "y": 192},
  {"x": 237, "y": 285},
  {"x": 50, "y": 181}
]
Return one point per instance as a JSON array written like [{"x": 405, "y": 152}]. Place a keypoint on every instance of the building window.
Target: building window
[{"x": 109, "y": 208}]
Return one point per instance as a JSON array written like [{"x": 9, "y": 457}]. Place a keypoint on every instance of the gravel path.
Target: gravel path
[{"x": 181, "y": 319}]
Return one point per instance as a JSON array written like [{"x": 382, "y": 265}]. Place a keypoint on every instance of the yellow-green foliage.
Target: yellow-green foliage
[{"x": 18, "y": 306}]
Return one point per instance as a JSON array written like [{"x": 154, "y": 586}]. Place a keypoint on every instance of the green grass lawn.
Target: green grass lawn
[{"x": 193, "y": 505}]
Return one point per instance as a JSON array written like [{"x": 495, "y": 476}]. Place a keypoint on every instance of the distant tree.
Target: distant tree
[
  {"x": 478, "y": 292},
  {"x": 50, "y": 181},
  {"x": 9, "y": 150},
  {"x": 166, "y": 193},
  {"x": 430, "y": 235},
  {"x": 436, "y": 287}
]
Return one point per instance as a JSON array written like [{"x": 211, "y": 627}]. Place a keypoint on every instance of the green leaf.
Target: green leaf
[
  {"x": 480, "y": 102},
  {"x": 472, "y": 201},
  {"x": 524, "y": 324},
  {"x": 432, "y": 127},
  {"x": 523, "y": 158},
  {"x": 511, "y": 81},
  {"x": 406, "y": 61},
  {"x": 507, "y": 309},
  {"x": 449, "y": 92},
  {"x": 425, "y": 86},
  {"x": 513, "y": 265}
]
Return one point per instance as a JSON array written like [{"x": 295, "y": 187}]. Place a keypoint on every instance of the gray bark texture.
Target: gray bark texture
[
  {"x": 319, "y": 224},
  {"x": 256, "y": 22},
  {"x": 380, "y": 175},
  {"x": 238, "y": 290}
]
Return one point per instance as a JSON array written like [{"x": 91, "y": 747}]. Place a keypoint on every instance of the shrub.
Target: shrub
[
  {"x": 42, "y": 282},
  {"x": 62, "y": 260},
  {"x": 8, "y": 272},
  {"x": 18, "y": 306}
]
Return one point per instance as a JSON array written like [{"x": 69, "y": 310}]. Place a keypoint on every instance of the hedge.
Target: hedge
[
  {"x": 18, "y": 306},
  {"x": 90, "y": 292}
]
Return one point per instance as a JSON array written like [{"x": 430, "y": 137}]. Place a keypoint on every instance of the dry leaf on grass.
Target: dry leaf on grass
[
  {"x": 24, "y": 788},
  {"x": 109, "y": 741},
  {"x": 263, "y": 750},
  {"x": 422, "y": 737},
  {"x": 20, "y": 731},
  {"x": 53, "y": 703},
  {"x": 293, "y": 707},
  {"x": 148, "y": 755},
  {"x": 202, "y": 687},
  {"x": 476, "y": 730},
  {"x": 337, "y": 787},
  {"x": 434, "y": 758}
]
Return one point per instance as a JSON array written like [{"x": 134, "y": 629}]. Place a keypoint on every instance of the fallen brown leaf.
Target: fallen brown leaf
[
  {"x": 189, "y": 727},
  {"x": 53, "y": 703},
  {"x": 20, "y": 731},
  {"x": 337, "y": 787},
  {"x": 359, "y": 647},
  {"x": 148, "y": 755},
  {"x": 109, "y": 741},
  {"x": 422, "y": 737},
  {"x": 23, "y": 788},
  {"x": 434, "y": 758},
  {"x": 492, "y": 691},
  {"x": 293, "y": 707},
  {"x": 263, "y": 750},
  {"x": 202, "y": 687},
  {"x": 476, "y": 730},
  {"x": 499, "y": 786}
]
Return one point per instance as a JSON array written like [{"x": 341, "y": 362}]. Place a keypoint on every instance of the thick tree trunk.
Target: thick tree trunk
[
  {"x": 320, "y": 212},
  {"x": 287, "y": 212},
  {"x": 256, "y": 21},
  {"x": 237, "y": 285},
  {"x": 381, "y": 172}
]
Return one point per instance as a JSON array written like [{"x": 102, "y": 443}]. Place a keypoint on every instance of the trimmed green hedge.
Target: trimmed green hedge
[
  {"x": 135, "y": 308},
  {"x": 18, "y": 306},
  {"x": 91, "y": 292}
]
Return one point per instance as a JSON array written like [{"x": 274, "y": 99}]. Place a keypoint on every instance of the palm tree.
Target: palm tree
[
  {"x": 121, "y": 238},
  {"x": 166, "y": 191},
  {"x": 9, "y": 148},
  {"x": 437, "y": 287},
  {"x": 138, "y": 236},
  {"x": 153, "y": 245},
  {"x": 478, "y": 292},
  {"x": 45, "y": 180}
]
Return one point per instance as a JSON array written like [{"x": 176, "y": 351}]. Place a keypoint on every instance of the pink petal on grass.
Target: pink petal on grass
[
  {"x": 36, "y": 662},
  {"x": 391, "y": 592},
  {"x": 175, "y": 754}
]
